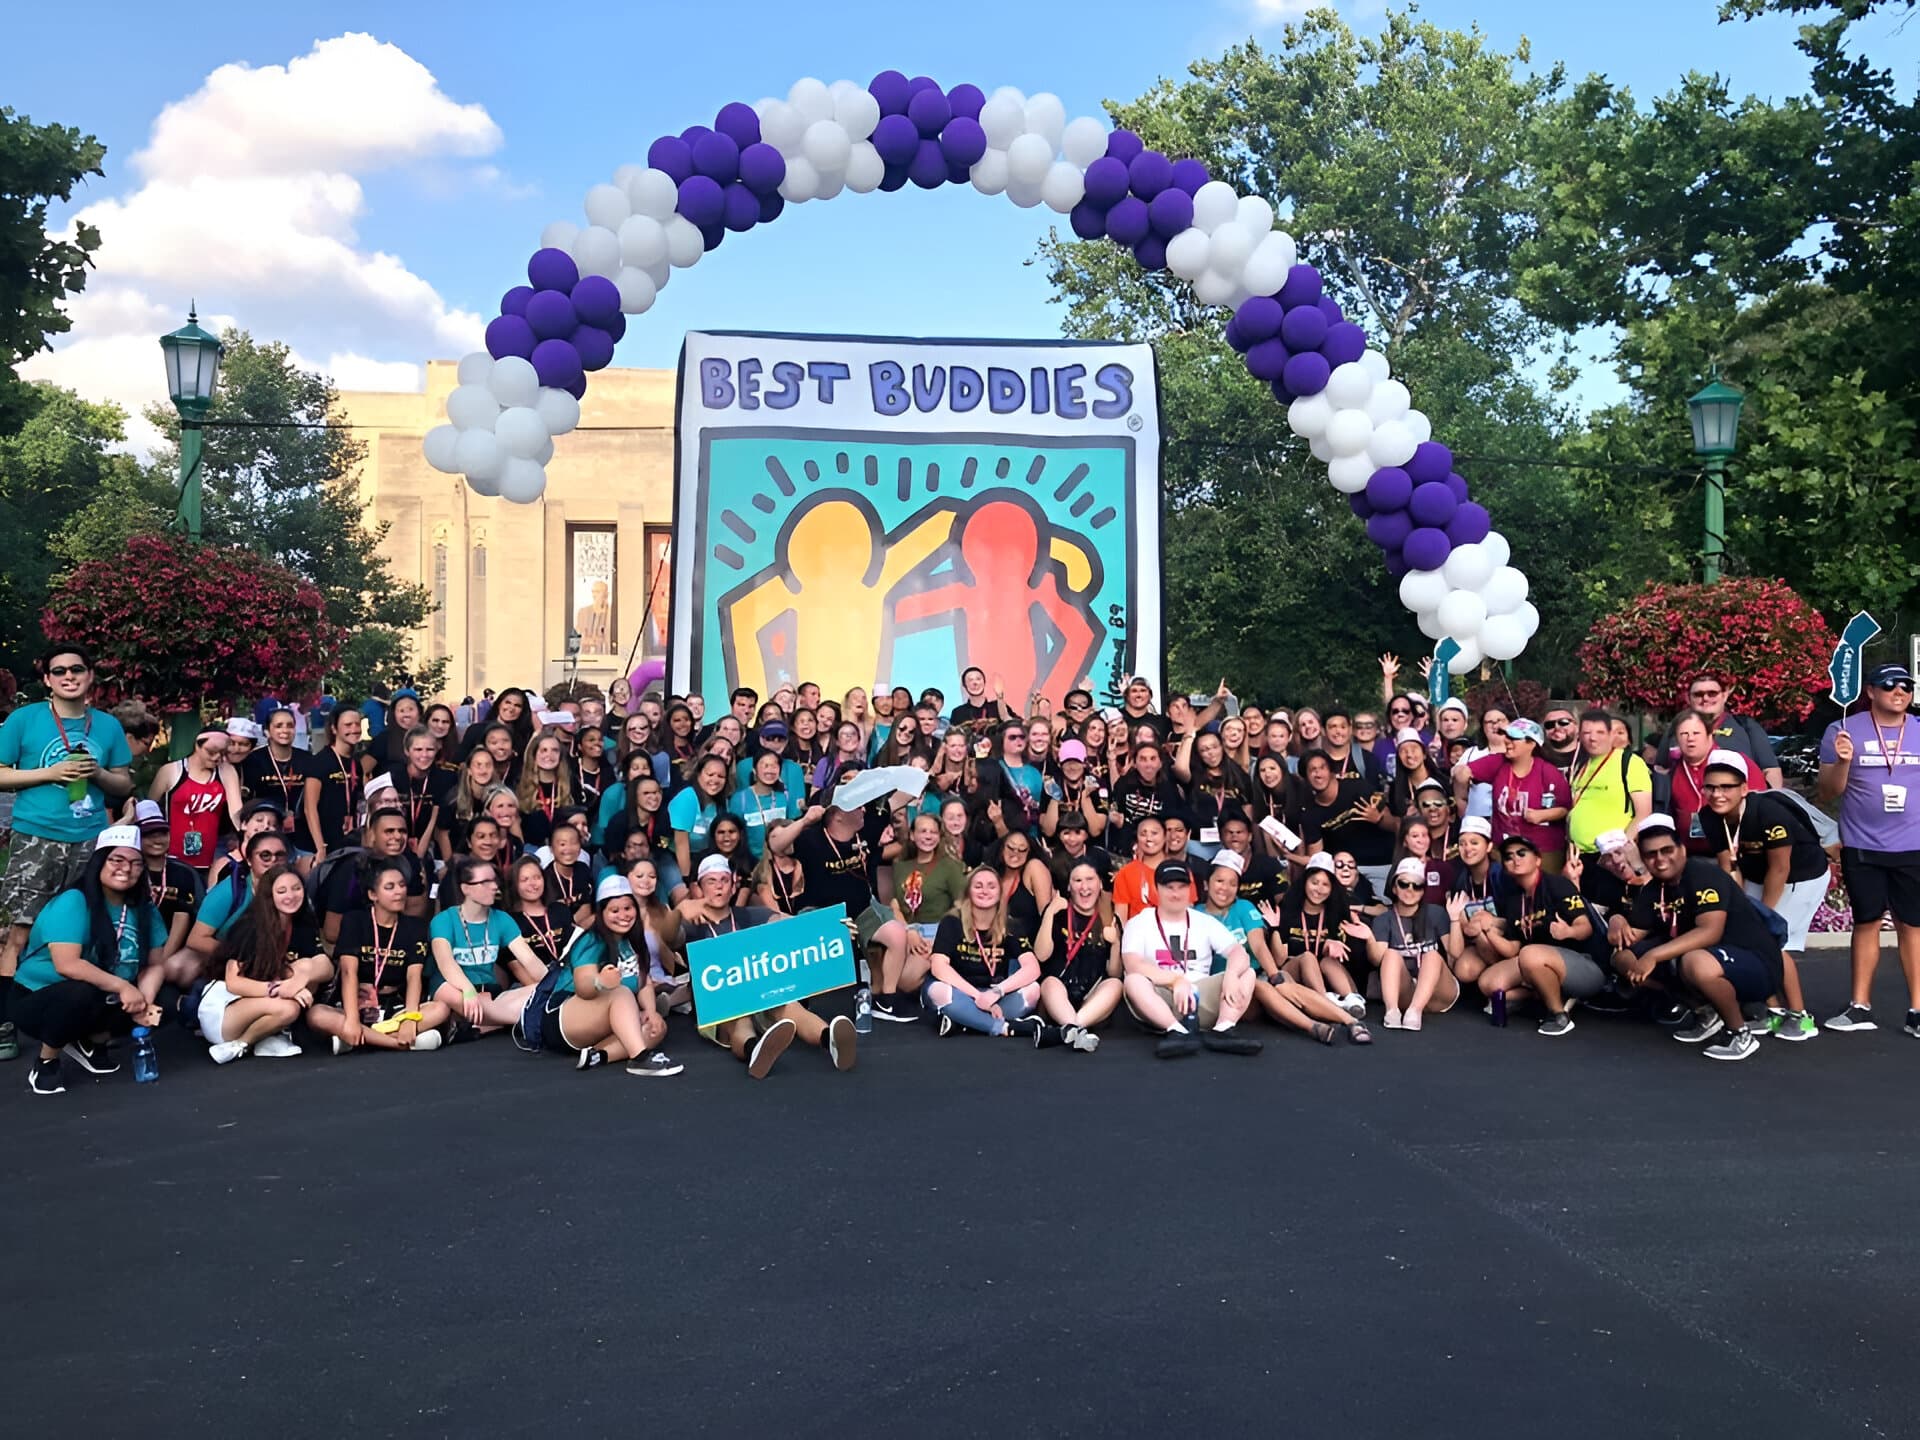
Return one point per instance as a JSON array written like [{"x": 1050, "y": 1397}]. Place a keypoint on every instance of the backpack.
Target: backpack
[
  {"x": 529, "y": 1031},
  {"x": 1776, "y": 923},
  {"x": 324, "y": 872},
  {"x": 1825, "y": 829}
]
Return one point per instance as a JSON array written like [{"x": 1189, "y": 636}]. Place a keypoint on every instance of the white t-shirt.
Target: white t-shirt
[{"x": 1196, "y": 933}]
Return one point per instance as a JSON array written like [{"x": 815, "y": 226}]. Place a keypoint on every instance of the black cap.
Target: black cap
[
  {"x": 1890, "y": 675},
  {"x": 1518, "y": 840},
  {"x": 1172, "y": 872}
]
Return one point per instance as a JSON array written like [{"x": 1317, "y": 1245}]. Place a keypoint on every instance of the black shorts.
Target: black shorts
[
  {"x": 1745, "y": 971},
  {"x": 550, "y": 1036},
  {"x": 1882, "y": 880}
]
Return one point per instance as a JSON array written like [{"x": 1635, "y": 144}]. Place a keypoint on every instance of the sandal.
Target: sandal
[
  {"x": 1323, "y": 1032},
  {"x": 1358, "y": 1034}
]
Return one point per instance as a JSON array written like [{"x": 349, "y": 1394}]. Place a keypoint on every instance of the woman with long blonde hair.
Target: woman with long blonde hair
[
  {"x": 545, "y": 787},
  {"x": 984, "y": 974}
]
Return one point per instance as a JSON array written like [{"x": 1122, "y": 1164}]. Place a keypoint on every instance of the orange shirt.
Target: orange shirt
[{"x": 1133, "y": 886}]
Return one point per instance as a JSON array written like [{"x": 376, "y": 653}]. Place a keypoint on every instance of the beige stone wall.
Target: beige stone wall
[{"x": 617, "y": 469}]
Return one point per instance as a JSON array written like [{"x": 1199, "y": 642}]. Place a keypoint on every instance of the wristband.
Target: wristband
[
  {"x": 469, "y": 993},
  {"x": 273, "y": 991}
]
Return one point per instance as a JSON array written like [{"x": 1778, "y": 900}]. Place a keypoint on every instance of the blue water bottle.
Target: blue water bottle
[
  {"x": 146, "y": 1064},
  {"x": 1500, "y": 1008}
]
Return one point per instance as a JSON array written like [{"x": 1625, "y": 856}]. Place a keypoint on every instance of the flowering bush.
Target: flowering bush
[
  {"x": 175, "y": 622},
  {"x": 1523, "y": 697},
  {"x": 1773, "y": 646}
]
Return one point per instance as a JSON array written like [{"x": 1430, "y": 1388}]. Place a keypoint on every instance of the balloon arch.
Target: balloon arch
[{"x": 755, "y": 160}]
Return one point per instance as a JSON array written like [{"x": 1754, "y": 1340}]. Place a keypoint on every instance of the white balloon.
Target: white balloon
[
  {"x": 637, "y": 288},
  {"x": 1350, "y": 473},
  {"x": 1064, "y": 186},
  {"x": 596, "y": 250},
  {"x": 827, "y": 146},
  {"x": 1469, "y": 657},
  {"x": 989, "y": 173},
  {"x": 830, "y": 186},
  {"x": 652, "y": 193},
  {"x": 513, "y": 381},
  {"x": 1503, "y": 637},
  {"x": 1463, "y": 613},
  {"x": 1496, "y": 546},
  {"x": 1084, "y": 141},
  {"x": 544, "y": 453},
  {"x": 812, "y": 99},
  {"x": 1320, "y": 450},
  {"x": 1504, "y": 592},
  {"x": 607, "y": 206},
  {"x": 865, "y": 168},
  {"x": 1429, "y": 623},
  {"x": 478, "y": 456},
  {"x": 1422, "y": 428},
  {"x": 1349, "y": 388},
  {"x": 439, "y": 446},
  {"x": 1309, "y": 416},
  {"x": 1014, "y": 93},
  {"x": 684, "y": 245},
  {"x": 659, "y": 273},
  {"x": 1266, "y": 270},
  {"x": 1214, "y": 204},
  {"x": 1389, "y": 400},
  {"x": 625, "y": 175},
  {"x": 1229, "y": 248},
  {"x": 1468, "y": 567},
  {"x": 1349, "y": 431},
  {"x": 559, "y": 235},
  {"x": 522, "y": 481},
  {"x": 856, "y": 112},
  {"x": 1422, "y": 590},
  {"x": 1254, "y": 213},
  {"x": 840, "y": 89},
  {"x": 1213, "y": 288},
  {"x": 781, "y": 126},
  {"x": 1028, "y": 158},
  {"x": 485, "y": 484},
  {"x": 803, "y": 181},
  {"x": 643, "y": 241},
  {"x": 1392, "y": 443},
  {"x": 520, "y": 431},
  {"x": 1529, "y": 618},
  {"x": 1024, "y": 193},
  {"x": 472, "y": 407},
  {"x": 1375, "y": 364},
  {"x": 1047, "y": 117},
  {"x": 1187, "y": 253},
  {"x": 558, "y": 410},
  {"x": 1004, "y": 118},
  {"x": 475, "y": 368}
]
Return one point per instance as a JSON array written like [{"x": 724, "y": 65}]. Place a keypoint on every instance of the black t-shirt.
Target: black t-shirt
[
  {"x": 1134, "y": 799},
  {"x": 340, "y": 787},
  {"x": 977, "y": 720},
  {"x": 547, "y": 931},
  {"x": 1080, "y": 951},
  {"x": 420, "y": 800},
  {"x": 176, "y": 890},
  {"x": 974, "y": 956},
  {"x": 1061, "y": 864},
  {"x": 536, "y": 820},
  {"x": 837, "y": 871},
  {"x": 1769, "y": 822},
  {"x": 1265, "y": 880},
  {"x": 285, "y": 783},
  {"x": 1667, "y": 911},
  {"x": 745, "y": 917},
  {"x": 1357, "y": 766},
  {"x": 570, "y": 886},
  {"x": 1162, "y": 727},
  {"x": 1528, "y": 918},
  {"x": 1338, "y": 826},
  {"x": 1208, "y": 796},
  {"x": 1304, "y": 934},
  {"x": 346, "y": 889},
  {"x": 383, "y": 954}
]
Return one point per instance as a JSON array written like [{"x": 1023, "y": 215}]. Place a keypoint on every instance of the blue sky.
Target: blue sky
[{"x": 583, "y": 89}]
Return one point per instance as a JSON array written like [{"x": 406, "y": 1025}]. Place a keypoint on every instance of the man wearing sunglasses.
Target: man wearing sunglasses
[
  {"x": 1709, "y": 693},
  {"x": 1872, "y": 763},
  {"x": 68, "y": 765},
  {"x": 1562, "y": 747}
]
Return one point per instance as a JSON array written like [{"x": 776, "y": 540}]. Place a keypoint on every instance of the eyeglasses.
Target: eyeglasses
[
  {"x": 1718, "y": 789},
  {"x": 484, "y": 880},
  {"x": 1366, "y": 724},
  {"x": 127, "y": 860},
  {"x": 272, "y": 857},
  {"x": 1706, "y": 694},
  {"x": 1906, "y": 685},
  {"x": 59, "y": 670}
]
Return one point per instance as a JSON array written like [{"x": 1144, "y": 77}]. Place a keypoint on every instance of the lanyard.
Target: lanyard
[
  {"x": 1889, "y": 752},
  {"x": 120, "y": 931},
  {"x": 86, "y": 728},
  {"x": 1528, "y": 912},
  {"x": 547, "y": 797},
  {"x": 415, "y": 799},
  {"x": 347, "y": 765},
  {"x": 783, "y": 887},
  {"x": 563, "y": 879},
  {"x": 383, "y": 953},
  {"x": 1178, "y": 957},
  {"x": 1076, "y": 942},
  {"x": 1668, "y": 911},
  {"x": 989, "y": 954},
  {"x": 1315, "y": 936},
  {"x": 1591, "y": 774},
  {"x": 466, "y": 935},
  {"x": 159, "y": 889}
]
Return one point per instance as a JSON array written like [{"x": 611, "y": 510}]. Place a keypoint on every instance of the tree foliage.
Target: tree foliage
[{"x": 38, "y": 164}]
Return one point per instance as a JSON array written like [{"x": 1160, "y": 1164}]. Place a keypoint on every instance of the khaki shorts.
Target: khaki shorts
[
  {"x": 37, "y": 870},
  {"x": 868, "y": 922},
  {"x": 1207, "y": 991},
  {"x": 758, "y": 1024}
]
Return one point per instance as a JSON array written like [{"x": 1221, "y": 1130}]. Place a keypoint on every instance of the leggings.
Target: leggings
[
  {"x": 970, "y": 1016},
  {"x": 68, "y": 1010}
]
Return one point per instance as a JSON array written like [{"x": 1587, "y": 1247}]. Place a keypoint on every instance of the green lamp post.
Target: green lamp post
[
  {"x": 193, "y": 369},
  {"x": 1715, "y": 413}
]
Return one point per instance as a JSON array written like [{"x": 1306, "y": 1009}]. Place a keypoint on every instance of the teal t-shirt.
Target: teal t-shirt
[
  {"x": 692, "y": 818},
  {"x": 477, "y": 946},
  {"x": 760, "y": 813},
  {"x": 591, "y": 950},
  {"x": 63, "y": 921},
  {"x": 612, "y": 801},
  {"x": 793, "y": 780},
  {"x": 1242, "y": 922},
  {"x": 223, "y": 907},
  {"x": 31, "y": 739}
]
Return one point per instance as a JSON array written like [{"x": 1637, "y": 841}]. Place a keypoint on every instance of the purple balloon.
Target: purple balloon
[
  {"x": 673, "y": 155},
  {"x": 594, "y": 346},
  {"x": 1281, "y": 393},
  {"x": 1171, "y": 211},
  {"x": 1431, "y": 462},
  {"x": 617, "y": 329},
  {"x": 596, "y": 300},
  {"x": 712, "y": 235},
  {"x": 1303, "y": 328},
  {"x": 1427, "y": 548},
  {"x": 893, "y": 178},
  {"x": 576, "y": 388},
  {"x": 929, "y": 112},
  {"x": 958, "y": 174},
  {"x": 738, "y": 123},
  {"x": 1389, "y": 529},
  {"x": 919, "y": 83},
  {"x": 889, "y": 87},
  {"x": 1389, "y": 489},
  {"x": 514, "y": 302},
  {"x": 1330, "y": 308},
  {"x": 1397, "y": 565},
  {"x": 717, "y": 158},
  {"x": 1306, "y": 373},
  {"x": 510, "y": 335},
  {"x": 762, "y": 168},
  {"x": 1107, "y": 182},
  {"x": 1259, "y": 319},
  {"x": 1302, "y": 286},
  {"x": 1268, "y": 360},
  {"x": 771, "y": 205},
  {"x": 1459, "y": 488},
  {"x": 966, "y": 101},
  {"x": 1089, "y": 222},
  {"x": 1148, "y": 173},
  {"x": 1189, "y": 175},
  {"x": 1127, "y": 221},
  {"x": 1151, "y": 253},
  {"x": 551, "y": 315},
  {"x": 741, "y": 211},
  {"x": 557, "y": 363},
  {"x": 702, "y": 201},
  {"x": 1123, "y": 145},
  {"x": 928, "y": 168},
  {"x": 1357, "y": 502},
  {"x": 963, "y": 141},
  {"x": 693, "y": 134},
  {"x": 896, "y": 139},
  {"x": 1432, "y": 504},
  {"x": 1236, "y": 335},
  {"x": 1345, "y": 343},
  {"x": 552, "y": 270},
  {"x": 1470, "y": 524}
]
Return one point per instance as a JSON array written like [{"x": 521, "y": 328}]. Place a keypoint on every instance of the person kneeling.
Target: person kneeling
[
  {"x": 1167, "y": 951},
  {"x": 971, "y": 987},
  {"x": 597, "y": 1004},
  {"x": 1545, "y": 939}
]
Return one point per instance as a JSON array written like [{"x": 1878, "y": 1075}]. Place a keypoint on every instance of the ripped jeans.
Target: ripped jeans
[{"x": 962, "y": 1010}]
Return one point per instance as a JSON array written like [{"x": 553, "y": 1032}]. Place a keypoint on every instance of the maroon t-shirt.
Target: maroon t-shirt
[{"x": 1541, "y": 788}]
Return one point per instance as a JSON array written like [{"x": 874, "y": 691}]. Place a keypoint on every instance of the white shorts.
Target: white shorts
[
  {"x": 1797, "y": 905},
  {"x": 213, "y": 1008}
]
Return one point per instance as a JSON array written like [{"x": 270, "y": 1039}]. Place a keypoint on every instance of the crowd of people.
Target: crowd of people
[{"x": 417, "y": 875}]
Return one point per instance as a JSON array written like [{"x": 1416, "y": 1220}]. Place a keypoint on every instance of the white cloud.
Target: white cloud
[
  {"x": 1272, "y": 12},
  {"x": 251, "y": 201}
]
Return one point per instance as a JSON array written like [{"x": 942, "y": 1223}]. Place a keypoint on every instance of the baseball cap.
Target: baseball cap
[
  {"x": 773, "y": 730},
  {"x": 1726, "y": 760},
  {"x": 147, "y": 815},
  {"x": 1408, "y": 736},
  {"x": 1411, "y": 869},
  {"x": 1658, "y": 824},
  {"x": 713, "y": 865},
  {"x": 118, "y": 837},
  {"x": 1477, "y": 825},
  {"x": 1229, "y": 860},
  {"x": 1429, "y": 784},
  {"x": 1525, "y": 729},
  {"x": 1513, "y": 840},
  {"x": 1455, "y": 704},
  {"x": 1320, "y": 861},
  {"x": 252, "y": 808},
  {"x": 612, "y": 887},
  {"x": 1071, "y": 750},
  {"x": 1608, "y": 841},
  {"x": 1890, "y": 675},
  {"x": 1172, "y": 872}
]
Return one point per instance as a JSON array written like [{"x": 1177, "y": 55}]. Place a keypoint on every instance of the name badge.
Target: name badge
[
  {"x": 1210, "y": 835},
  {"x": 1893, "y": 799}
]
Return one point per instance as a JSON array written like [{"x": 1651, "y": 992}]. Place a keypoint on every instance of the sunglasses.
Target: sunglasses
[
  {"x": 1706, "y": 694},
  {"x": 272, "y": 857},
  {"x": 1718, "y": 789},
  {"x": 1401, "y": 710},
  {"x": 1906, "y": 685},
  {"x": 1346, "y": 865},
  {"x": 1409, "y": 885},
  {"x": 59, "y": 670},
  {"x": 1558, "y": 724}
]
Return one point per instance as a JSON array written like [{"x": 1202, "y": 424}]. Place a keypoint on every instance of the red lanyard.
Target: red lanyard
[
  {"x": 383, "y": 953},
  {"x": 989, "y": 954},
  {"x": 347, "y": 764},
  {"x": 87, "y": 728},
  {"x": 548, "y": 798},
  {"x": 159, "y": 889},
  {"x": 546, "y": 932},
  {"x": 1889, "y": 752},
  {"x": 1179, "y": 959},
  {"x": 1078, "y": 942},
  {"x": 563, "y": 878},
  {"x": 415, "y": 799},
  {"x": 1315, "y": 936}
]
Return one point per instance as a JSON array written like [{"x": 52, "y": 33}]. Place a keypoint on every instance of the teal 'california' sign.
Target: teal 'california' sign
[{"x": 746, "y": 971}]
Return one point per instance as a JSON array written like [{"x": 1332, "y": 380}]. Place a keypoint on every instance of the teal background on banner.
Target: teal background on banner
[{"x": 737, "y": 973}]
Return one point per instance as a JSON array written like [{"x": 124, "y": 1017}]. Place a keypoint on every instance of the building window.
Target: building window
[
  {"x": 439, "y": 597},
  {"x": 591, "y": 587},
  {"x": 477, "y": 617},
  {"x": 659, "y": 542}
]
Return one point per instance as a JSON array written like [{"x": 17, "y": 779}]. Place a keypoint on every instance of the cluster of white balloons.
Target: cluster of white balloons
[
  {"x": 502, "y": 421},
  {"x": 1035, "y": 156},
  {"x": 1231, "y": 252},
  {"x": 823, "y": 132},
  {"x": 633, "y": 235},
  {"x": 1478, "y": 599}
]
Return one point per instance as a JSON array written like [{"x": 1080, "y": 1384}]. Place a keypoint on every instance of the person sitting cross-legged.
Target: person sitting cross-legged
[
  {"x": 985, "y": 977},
  {"x": 1167, "y": 951}
]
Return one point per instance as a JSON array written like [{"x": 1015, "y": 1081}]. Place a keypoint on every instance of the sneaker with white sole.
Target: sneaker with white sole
[
  {"x": 1739, "y": 1045},
  {"x": 1354, "y": 1005},
  {"x": 1854, "y": 1017},
  {"x": 842, "y": 1043},
  {"x": 1080, "y": 1038},
  {"x": 427, "y": 1040},
  {"x": 43, "y": 1077},
  {"x": 93, "y": 1059},
  {"x": 276, "y": 1047},
  {"x": 771, "y": 1045},
  {"x": 1794, "y": 1026},
  {"x": 654, "y": 1063},
  {"x": 589, "y": 1058},
  {"x": 1706, "y": 1024},
  {"x": 1391, "y": 1020},
  {"x": 227, "y": 1051},
  {"x": 339, "y": 1045},
  {"x": 1557, "y": 1025},
  {"x": 1912, "y": 1027}
]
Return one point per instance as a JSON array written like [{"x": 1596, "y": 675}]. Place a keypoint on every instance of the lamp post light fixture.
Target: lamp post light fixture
[
  {"x": 1715, "y": 413},
  {"x": 193, "y": 369}
]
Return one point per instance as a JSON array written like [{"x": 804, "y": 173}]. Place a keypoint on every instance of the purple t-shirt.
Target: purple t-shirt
[
  {"x": 1880, "y": 808},
  {"x": 1541, "y": 788}
]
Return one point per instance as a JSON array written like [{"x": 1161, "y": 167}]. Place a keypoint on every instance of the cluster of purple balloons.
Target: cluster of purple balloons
[
  {"x": 1418, "y": 512},
  {"x": 729, "y": 177},
  {"x": 1137, "y": 198},
  {"x": 562, "y": 321},
  {"x": 1295, "y": 337},
  {"x": 926, "y": 135}
]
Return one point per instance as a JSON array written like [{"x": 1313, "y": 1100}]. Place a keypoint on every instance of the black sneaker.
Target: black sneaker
[
  {"x": 94, "y": 1059},
  {"x": 1670, "y": 1013},
  {"x": 943, "y": 1025},
  {"x": 589, "y": 1059},
  {"x": 1854, "y": 1017},
  {"x": 1176, "y": 1043},
  {"x": 44, "y": 1077},
  {"x": 1231, "y": 1042},
  {"x": 458, "y": 1029},
  {"x": 896, "y": 1009},
  {"x": 654, "y": 1064},
  {"x": 1912, "y": 1027},
  {"x": 1027, "y": 1027},
  {"x": 1706, "y": 1025}
]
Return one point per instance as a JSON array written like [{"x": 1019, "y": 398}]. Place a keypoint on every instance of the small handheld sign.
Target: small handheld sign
[
  {"x": 1438, "y": 677},
  {"x": 1845, "y": 669}
]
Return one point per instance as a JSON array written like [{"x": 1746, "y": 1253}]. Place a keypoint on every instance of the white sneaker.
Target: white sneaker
[
  {"x": 1393, "y": 1019},
  {"x": 427, "y": 1040},
  {"x": 227, "y": 1051},
  {"x": 276, "y": 1047},
  {"x": 1354, "y": 1005}
]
